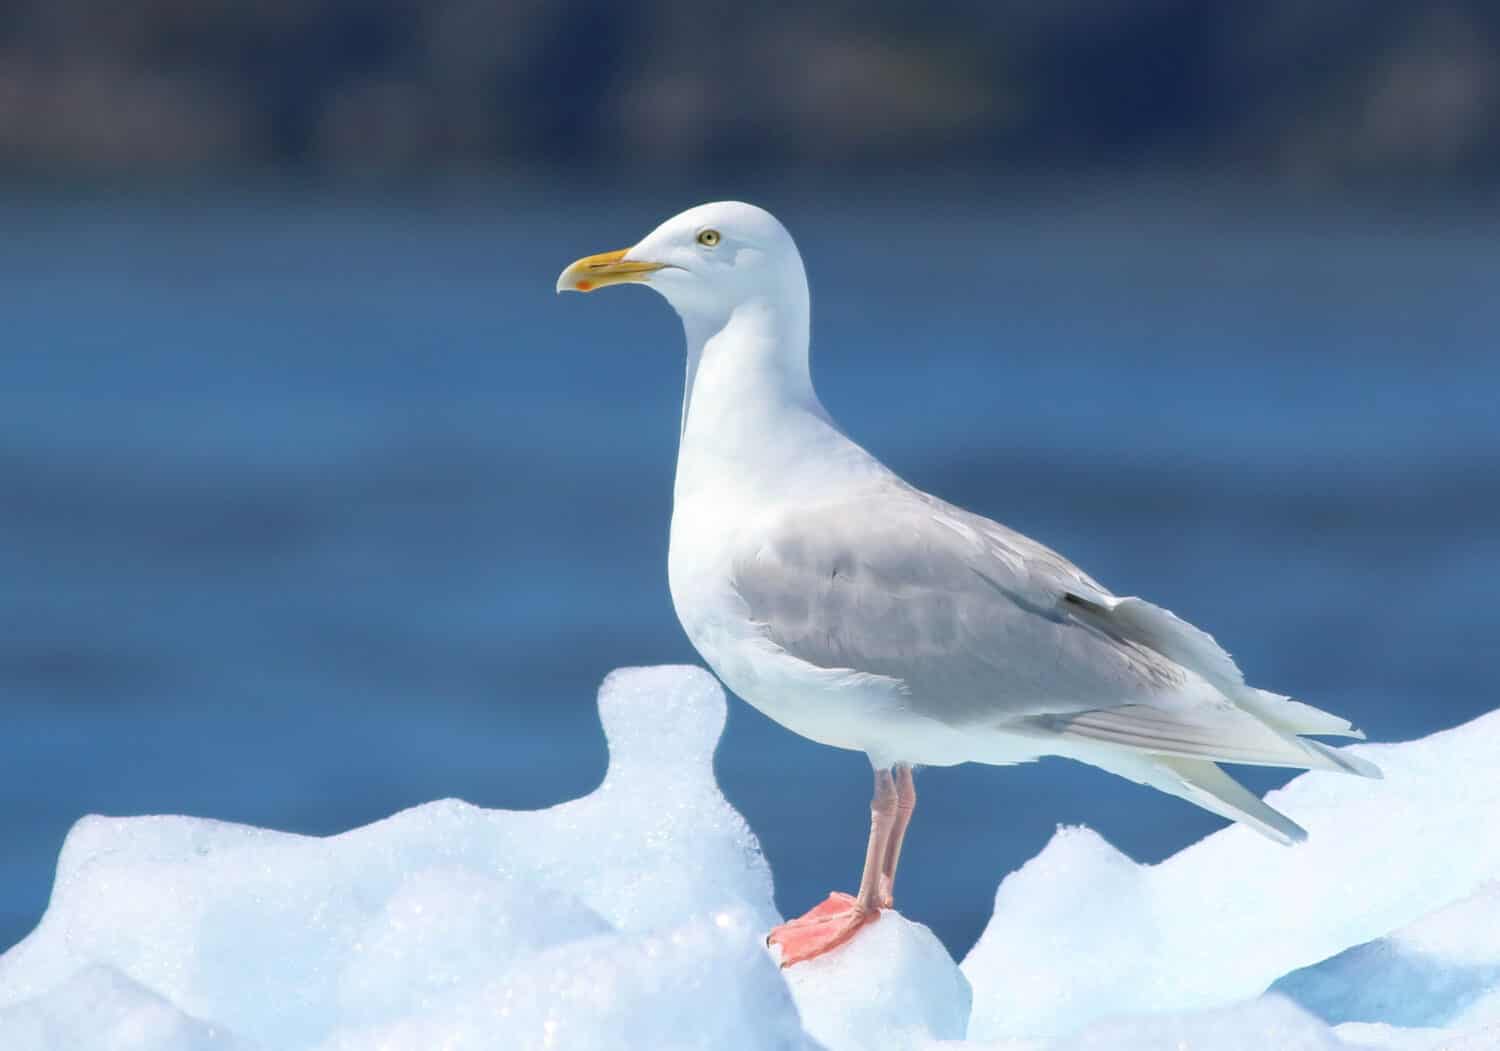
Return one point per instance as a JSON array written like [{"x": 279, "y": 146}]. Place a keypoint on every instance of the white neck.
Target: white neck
[
  {"x": 757, "y": 354},
  {"x": 750, "y": 416}
]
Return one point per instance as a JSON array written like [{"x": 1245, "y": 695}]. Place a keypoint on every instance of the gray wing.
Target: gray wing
[
  {"x": 985, "y": 627},
  {"x": 979, "y": 622}
]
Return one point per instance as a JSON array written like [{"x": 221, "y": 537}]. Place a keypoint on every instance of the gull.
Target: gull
[{"x": 865, "y": 614}]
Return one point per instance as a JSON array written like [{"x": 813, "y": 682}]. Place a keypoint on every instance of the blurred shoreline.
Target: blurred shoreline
[{"x": 1161, "y": 198}]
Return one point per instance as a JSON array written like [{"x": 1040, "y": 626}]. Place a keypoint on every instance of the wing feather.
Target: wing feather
[
  {"x": 967, "y": 614},
  {"x": 1195, "y": 649}
]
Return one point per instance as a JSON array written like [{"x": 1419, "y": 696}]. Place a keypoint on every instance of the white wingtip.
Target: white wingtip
[{"x": 1351, "y": 764}]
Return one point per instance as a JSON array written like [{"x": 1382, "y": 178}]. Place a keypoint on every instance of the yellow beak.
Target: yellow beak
[{"x": 606, "y": 268}]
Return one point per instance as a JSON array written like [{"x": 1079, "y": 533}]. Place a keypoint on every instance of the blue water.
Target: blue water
[{"x": 310, "y": 511}]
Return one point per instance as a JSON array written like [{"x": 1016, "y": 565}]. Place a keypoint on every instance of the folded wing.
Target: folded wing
[{"x": 990, "y": 630}]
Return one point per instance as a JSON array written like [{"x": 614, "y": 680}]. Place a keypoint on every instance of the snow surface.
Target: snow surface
[{"x": 635, "y": 917}]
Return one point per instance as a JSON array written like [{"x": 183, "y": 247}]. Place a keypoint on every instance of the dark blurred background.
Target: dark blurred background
[
  {"x": 1321, "y": 93},
  {"x": 316, "y": 503}
]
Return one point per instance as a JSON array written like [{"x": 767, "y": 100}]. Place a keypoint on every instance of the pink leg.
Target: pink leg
[
  {"x": 906, "y": 802},
  {"x": 836, "y": 920}
]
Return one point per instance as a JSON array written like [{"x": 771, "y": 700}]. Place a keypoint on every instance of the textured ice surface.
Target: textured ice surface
[
  {"x": 635, "y": 918},
  {"x": 1267, "y": 1024},
  {"x": 1441, "y": 970},
  {"x": 286, "y": 940},
  {"x": 909, "y": 990},
  {"x": 101, "y": 1008},
  {"x": 707, "y": 984},
  {"x": 1082, "y": 932}
]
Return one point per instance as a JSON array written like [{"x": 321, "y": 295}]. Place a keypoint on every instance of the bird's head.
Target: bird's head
[{"x": 707, "y": 262}]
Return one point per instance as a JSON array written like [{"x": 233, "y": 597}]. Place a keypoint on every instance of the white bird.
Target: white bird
[{"x": 866, "y": 614}]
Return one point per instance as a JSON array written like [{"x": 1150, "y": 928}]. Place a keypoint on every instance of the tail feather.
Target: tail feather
[
  {"x": 1204, "y": 783},
  {"x": 1295, "y": 717},
  {"x": 1350, "y": 764},
  {"x": 1224, "y": 734}
]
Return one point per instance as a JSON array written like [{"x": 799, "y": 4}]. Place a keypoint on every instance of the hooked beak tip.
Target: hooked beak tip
[{"x": 606, "y": 268}]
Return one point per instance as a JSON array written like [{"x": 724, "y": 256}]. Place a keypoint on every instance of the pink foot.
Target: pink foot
[{"x": 824, "y": 927}]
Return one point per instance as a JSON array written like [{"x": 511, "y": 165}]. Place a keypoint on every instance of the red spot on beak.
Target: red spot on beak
[{"x": 584, "y": 286}]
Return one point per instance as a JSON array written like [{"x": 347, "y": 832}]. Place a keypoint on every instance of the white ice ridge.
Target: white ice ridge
[
  {"x": 1225, "y": 918},
  {"x": 635, "y": 916}
]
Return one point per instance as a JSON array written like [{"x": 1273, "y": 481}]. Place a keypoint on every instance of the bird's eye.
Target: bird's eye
[{"x": 708, "y": 238}]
